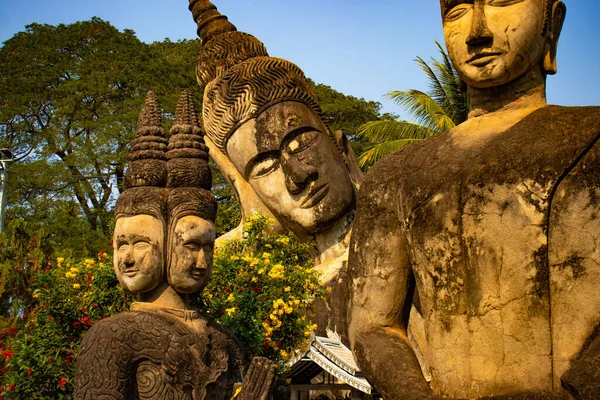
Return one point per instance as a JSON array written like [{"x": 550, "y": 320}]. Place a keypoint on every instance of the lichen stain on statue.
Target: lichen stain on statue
[
  {"x": 266, "y": 132},
  {"x": 497, "y": 223},
  {"x": 163, "y": 244}
]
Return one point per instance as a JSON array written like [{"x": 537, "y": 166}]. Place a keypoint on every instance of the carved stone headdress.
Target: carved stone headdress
[
  {"x": 239, "y": 79},
  {"x": 146, "y": 174}
]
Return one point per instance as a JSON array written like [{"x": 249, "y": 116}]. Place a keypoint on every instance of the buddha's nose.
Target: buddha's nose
[
  {"x": 201, "y": 261},
  {"x": 480, "y": 35},
  {"x": 298, "y": 174}
]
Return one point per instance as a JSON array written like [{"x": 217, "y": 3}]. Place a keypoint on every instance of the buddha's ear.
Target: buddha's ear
[
  {"x": 356, "y": 174},
  {"x": 557, "y": 18}
]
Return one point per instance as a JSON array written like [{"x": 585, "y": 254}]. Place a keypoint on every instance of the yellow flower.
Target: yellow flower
[
  {"x": 76, "y": 286},
  {"x": 268, "y": 246},
  {"x": 284, "y": 240},
  {"x": 254, "y": 279},
  {"x": 284, "y": 354},
  {"x": 234, "y": 258},
  {"x": 261, "y": 271},
  {"x": 70, "y": 275},
  {"x": 209, "y": 296},
  {"x": 288, "y": 309},
  {"x": 266, "y": 255},
  {"x": 287, "y": 289},
  {"x": 60, "y": 260},
  {"x": 230, "y": 311},
  {"x": 89, "y": 263},
  {"x": 74, "y": 270},
  {"x": 231, "y": 297},
  {"x": 277, "y": 272},
  {"x": 329, "y": 290}
]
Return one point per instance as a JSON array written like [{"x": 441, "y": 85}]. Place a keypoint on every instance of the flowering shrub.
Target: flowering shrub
[
  {"x": 262, "y": 289},
  {"x": 68, "y": 298}
]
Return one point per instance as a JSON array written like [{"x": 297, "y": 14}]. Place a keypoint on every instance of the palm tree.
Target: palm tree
[{"x": 438, "y": 110}]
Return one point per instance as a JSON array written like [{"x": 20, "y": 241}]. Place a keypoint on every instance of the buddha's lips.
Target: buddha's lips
[
  {"x": 482, "y": 55},
  {"x": 315, "y": 196}
]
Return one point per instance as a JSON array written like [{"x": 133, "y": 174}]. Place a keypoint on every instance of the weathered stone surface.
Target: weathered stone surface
[
  {"x": 266, "y": 133},
  {"x": 152, "y": 355},
  {"x": 496, "y": 223},
  {"x": 163, "y": 245}
]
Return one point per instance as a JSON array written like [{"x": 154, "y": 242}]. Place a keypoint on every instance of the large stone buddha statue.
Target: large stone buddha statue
[
  {"x": 266, "y": 132},
  {"x": 495, "y": 224}
]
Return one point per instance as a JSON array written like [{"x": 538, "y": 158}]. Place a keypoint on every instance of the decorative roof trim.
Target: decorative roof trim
[
  {"x": 319, "y": 344},
  {"x": 322, "y": 361}
]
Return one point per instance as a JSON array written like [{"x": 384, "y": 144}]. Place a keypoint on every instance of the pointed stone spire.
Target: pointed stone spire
[
  {"x": 186, "y": 110},
  {"x": 147, "y": 156},
  {"x": 187, "y": 152},
  {"x": 149, "y": 115},
  {"x": 210, "y": 21}
]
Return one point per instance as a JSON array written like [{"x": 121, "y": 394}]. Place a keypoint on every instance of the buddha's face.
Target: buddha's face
[
  {"x": 193, "y": 240},
  {"x": 492, "y": 42},
  {"x": 294, "y": 166},
  {"x": 138, "y": 252}
]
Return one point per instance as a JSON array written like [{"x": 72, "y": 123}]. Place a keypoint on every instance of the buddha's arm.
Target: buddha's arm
[
  {"x": 581, "y": 380},
  {"x": 379, "y": 279}
]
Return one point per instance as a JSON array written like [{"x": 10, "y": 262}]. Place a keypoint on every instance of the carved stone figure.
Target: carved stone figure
[
  {"x": 162, "y": 349},
  {"x": 266, "y": 133},
  {"x": 496, "y": 225}
]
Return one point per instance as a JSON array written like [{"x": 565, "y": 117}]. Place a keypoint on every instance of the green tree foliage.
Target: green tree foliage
[
  {"x": 261, "y": 290},
  {"x": 438, "y": 110}
]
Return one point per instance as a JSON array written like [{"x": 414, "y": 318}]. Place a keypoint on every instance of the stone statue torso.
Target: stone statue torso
[
  {"x": 503, "y": 242},
  {"x": 153, "y": 355}
]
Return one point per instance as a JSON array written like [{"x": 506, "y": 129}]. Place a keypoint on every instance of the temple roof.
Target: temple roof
[{"x": 330, "y": 355}]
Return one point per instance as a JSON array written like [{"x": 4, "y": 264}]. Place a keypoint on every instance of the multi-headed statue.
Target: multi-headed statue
[
  {"x": 496, "y": 225},
  {"x": 266, "y": 132},
  {"x": 163, "y": 243}
]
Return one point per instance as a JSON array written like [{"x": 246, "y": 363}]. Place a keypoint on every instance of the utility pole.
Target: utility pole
[{"x": 6, "y": 156}]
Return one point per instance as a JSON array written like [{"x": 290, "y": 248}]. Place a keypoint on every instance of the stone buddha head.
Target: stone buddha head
[
  {"x": 263, "y": 119},
  {"x": 262, "y": 114},
  {"x": 191, "y": 206},
  {"x": 141, "y": 210},
  {"x": 494, "y": 42},
  {"x": 139, "y": 239}
]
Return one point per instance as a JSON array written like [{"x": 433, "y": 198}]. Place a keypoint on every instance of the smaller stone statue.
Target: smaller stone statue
[{"x": 163, "y": 242}]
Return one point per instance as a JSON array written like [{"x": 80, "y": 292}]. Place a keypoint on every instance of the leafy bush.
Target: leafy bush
[
  {"x": 68, "y": 298},
  {"x": 261, "y": 290}
]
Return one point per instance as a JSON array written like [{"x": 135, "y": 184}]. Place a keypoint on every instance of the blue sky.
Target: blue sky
[{"x": 364, "y": 48}]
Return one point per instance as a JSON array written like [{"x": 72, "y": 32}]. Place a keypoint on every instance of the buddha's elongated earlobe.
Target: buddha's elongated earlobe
[{"x": 555, "y": 21}]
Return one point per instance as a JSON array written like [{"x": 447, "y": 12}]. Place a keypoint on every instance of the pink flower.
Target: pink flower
[
  {"x": 62, "y": 383},
  {"x": 29, "y": 371}
]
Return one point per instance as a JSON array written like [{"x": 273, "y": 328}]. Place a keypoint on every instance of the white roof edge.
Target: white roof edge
[
  {"x": 322, "y": 361},
  {"x": 351, "y": 369}
]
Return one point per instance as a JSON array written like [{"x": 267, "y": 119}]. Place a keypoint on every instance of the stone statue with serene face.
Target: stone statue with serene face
[
  {"x": 163, "y": 243},
  {"x": 495, "y": 224},
  {"x": 266, "y": 133}
]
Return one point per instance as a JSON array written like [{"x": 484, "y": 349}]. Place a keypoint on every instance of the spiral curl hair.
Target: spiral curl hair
[
  {"x": 225, "y": 51},
  {"x": 248, "y": 88}
]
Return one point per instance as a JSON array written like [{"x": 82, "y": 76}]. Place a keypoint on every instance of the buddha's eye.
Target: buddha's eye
[
  {"x": 264, "y": 167},
  {"x": 142, "y": 245},
  {"x": 503, "y": 3},
  {"x": 302, "y": 141},
  {"x": 123, "y": 247},
  {"x": 457, "y": 12},
  {"x": 192, "y": 246}
]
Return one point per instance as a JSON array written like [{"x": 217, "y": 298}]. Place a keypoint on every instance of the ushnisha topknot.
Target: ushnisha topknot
[
  {"x": 210, "y": 22},
  {"x": 147, "y": 156},
  {"x": 248, "y": 88},
  {"x": 187, "y": 154},
  {"x": 222, "y": 45}
]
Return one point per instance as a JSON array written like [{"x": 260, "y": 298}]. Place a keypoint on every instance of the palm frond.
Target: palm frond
[
  {"x": 423, "y": 108},
  {"x": 377, "y": 132},
  {"x": 377, "y": 151}
]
